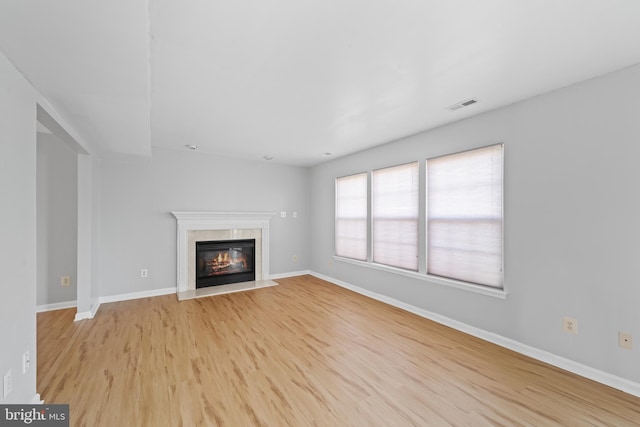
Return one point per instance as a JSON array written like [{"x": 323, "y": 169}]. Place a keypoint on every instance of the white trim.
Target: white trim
[
  {"x": 192, "y": 221},
  {"x": 122, "y": 297},
  {"x": 94, "y": 308},
  {"x": 36, "y": 400},
  {"x": 88, "y": 314},
  {"x": 478, "y": 289},
  {"x": 84, "y": 240},
  {"x": 95, "y": 305},
  {"x": 602, "y": 377},
  {"x": 84, "y": 315},
  {"x": 290, "y": 274},
  {"x": 136, "y": 295},
  {"x": 56, "y": 306},
  {"x": 200, "y": 217}
]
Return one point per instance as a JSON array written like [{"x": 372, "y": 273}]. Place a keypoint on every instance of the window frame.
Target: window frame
[
  {"x": 367, "y": 218},
  {"x": 372, "y": 236},
  {"x": 422, "y": 274},
  {"x": 500, "y": 146}
]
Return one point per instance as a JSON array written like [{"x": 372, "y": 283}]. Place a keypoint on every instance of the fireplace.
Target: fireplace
[
  {"x": 193, "y": 227},
  {"x": 220, "y": 262}
]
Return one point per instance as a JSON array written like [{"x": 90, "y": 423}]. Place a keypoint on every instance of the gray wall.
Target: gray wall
[
  {"x": 137, "y": 196},
  {"x": 17, "y": 230},
  {"x": 571, "y": 228},
  {"x": 57, "y": 216}
]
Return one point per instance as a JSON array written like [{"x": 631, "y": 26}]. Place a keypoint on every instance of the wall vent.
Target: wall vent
[{"x": 462, "y": 104}]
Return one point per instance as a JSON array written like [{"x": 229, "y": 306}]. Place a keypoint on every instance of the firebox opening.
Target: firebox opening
[{"x": 220, "y": 262}]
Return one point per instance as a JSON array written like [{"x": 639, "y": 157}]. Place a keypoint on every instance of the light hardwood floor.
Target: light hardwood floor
[{"x": 303, "y": 353}]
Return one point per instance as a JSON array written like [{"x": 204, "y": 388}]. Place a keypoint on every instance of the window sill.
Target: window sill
[{"x": 479, "y": 289}]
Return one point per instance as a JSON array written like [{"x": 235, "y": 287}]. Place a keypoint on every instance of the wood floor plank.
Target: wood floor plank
[{"x": 305, "y": 353}]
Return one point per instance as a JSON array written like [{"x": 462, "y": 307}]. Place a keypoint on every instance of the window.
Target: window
[
  {"x": 464, "y": 216},
  {"x": 394, "y": 214},
  {"x": 440, "y": 220},
  {"x": 351, "y": 216}
]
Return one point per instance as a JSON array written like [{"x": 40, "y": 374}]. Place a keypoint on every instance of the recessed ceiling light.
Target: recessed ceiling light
[
  {"x": 326, "y": 154},
  {"x": 191, "y": 147},
  {"x": 268, "y": 157}
]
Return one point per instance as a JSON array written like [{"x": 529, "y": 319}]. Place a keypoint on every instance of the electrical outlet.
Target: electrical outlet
[
  {"x": 294, "y": 258},
  {"x": 26, "y": 362},
  {"x": 144, "y": 272},
  {"x": 295, "y": 214},
  {"x": 65, "y": 281},
  {"x": 625, "y": 340},
  {"x": 8, "y": 384},
  {"x": 570, "y": 325}
]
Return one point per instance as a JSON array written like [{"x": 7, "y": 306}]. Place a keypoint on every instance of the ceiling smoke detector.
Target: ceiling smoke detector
[
  {"x": 462, "y": 104},
  {"x": 191, "y": 147},
  {"x": 267, "y": 157}
]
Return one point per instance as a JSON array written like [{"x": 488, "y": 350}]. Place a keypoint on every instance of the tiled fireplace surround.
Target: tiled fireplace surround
[{"x": 205, "y": 226}]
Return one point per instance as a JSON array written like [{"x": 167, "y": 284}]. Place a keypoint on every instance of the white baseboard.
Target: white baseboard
[
  {"x": 290, "y": 274},
  {"x": 137, "y": 295},
  {"x": 83, "y": 315},
  {"x": 153, "y": 293},
  {"x": 56, "y": 306},
  {"x": 94, "y": 308},
  {"x": 36, "y": 400},
  {"x": 121, "y": 297},
  {"x": 602, "y": 377},
  {"x": 88, "y": 314}
]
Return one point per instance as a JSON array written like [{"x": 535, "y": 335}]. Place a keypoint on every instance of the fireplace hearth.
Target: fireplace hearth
[{"x": 221, "y": 262}]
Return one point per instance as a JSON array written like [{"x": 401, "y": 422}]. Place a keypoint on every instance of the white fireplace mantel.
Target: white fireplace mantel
[{"x": 194, "y": 221}]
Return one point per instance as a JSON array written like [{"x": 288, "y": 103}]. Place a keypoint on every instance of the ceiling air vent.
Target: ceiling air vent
[{"x": 462, "y": 104}]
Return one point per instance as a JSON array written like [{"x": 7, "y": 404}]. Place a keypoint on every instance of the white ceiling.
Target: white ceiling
[{"x": 295, "y": 79}]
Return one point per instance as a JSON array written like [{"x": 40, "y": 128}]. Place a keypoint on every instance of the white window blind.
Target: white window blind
[
  {"x": 395, "y": 216},
  {"x": 351, "y": 216},
  {"x": 465, "y": 216}
]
